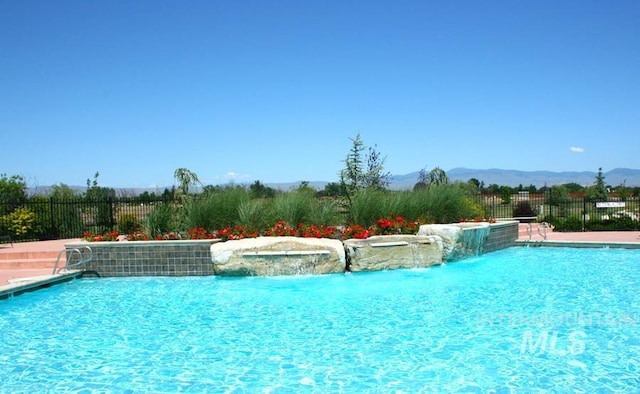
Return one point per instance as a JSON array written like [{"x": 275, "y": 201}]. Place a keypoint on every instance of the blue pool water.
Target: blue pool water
[{"x": 519, "y": 319}]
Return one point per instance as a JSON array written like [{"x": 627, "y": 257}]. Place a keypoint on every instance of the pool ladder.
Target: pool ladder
[
  {"x": 69, "y": 261},
  {"x": 542, "y": 230}
]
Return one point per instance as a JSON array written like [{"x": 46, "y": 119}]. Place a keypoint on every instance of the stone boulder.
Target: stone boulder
[
  {"x": 271, "y": 256},
  {"x": 388, "y": 252}
]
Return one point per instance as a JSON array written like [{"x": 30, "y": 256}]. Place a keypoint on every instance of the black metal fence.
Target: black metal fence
[
  {"x": 48, "y": 218},
  {"x": 572, "y": 213},
  {"x": 44, "y": 218}
]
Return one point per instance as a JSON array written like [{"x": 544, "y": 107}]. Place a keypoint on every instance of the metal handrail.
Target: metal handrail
[
  {"x": 542, "y": 229},
  {"x": 70, "y": 252}
]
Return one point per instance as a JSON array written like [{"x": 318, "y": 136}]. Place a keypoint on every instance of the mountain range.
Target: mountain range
[
  {"x": 618, "y": 176},
  {"x": 615, "y": 177}
]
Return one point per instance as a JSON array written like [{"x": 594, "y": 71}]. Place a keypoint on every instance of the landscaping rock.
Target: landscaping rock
[
  {"x": 387, "y": 252},
  {"x": 271, "y": 256}
]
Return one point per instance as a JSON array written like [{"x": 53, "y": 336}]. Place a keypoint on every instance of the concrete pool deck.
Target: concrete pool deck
[{"x": 26, "y": 262}]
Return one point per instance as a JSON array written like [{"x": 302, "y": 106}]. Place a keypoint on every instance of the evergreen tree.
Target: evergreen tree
[{"x": 600, "y": 192}]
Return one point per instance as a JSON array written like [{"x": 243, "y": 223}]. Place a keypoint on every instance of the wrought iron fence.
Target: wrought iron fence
[
  {"x": 48, "y": 218},
  {"x": 573, "y": 213}
]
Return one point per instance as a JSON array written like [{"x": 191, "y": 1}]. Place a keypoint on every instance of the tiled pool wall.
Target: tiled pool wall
[
  {"x": 150, "y": 258},
  {"x": 502, "y": 235},
  {"x": 193, "y": 257}
]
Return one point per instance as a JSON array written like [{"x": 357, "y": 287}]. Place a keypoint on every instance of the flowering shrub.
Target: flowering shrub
[
  {"x": 396, "y": 225},
  {"x": 236, "y": 232},
  {"x": 384, "y": 226},
  {"x": 199, "y": 233},
  {"x": 313, "y": 231},
  {"x": 281, "y": 229},
  {"x": 138, "y": 236},
  {"x": 168, "y": 237},
  {"x": 357, "y": 231},
  {"x": 91, "y": 237}
]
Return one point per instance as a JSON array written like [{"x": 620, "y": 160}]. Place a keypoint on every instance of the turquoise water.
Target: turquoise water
[{"x": 520, "y": 319}]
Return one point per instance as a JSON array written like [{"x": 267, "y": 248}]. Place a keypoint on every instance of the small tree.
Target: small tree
[
  {"x": 437, "y": 176},
  {"x": 356, "y": 177},
  {"x": 100, "y": 198},
  {"x": 12, "y": 192},
  {"x": 186, "y": 178},
  {"x": 68, "y": 220},
  {"x": 599, "y": 190},
  {"x": 505, "y": 194},
  {"x": 423, "y": 180},
  {"x": 259, "y": 190},
  {"x": 332, "y": 189},
  {"x": 559, "y": 197},
  {"x": 375, "y": 178}
]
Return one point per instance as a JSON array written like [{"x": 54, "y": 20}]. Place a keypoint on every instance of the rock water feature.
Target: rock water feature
[
  {"x": 385, "y": 252},
  {"x": 460, "y": 240},
  {"x": 270, "y": 256}
]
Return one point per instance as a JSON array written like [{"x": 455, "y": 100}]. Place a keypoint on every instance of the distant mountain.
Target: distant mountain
[{"x": 615, "y": 177}]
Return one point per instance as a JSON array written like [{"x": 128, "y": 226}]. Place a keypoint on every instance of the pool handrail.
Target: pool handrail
[{"x": 69, "y": 253}]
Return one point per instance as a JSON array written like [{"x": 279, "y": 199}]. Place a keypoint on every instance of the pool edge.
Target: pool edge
[
  {"x": 578, "y": 244},
  {"x": 34, "y": 283}
]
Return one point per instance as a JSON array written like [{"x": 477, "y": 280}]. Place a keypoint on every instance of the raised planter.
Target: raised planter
[{"x": 268, "y": 256}]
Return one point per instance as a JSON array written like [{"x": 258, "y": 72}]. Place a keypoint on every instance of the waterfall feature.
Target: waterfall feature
[
  {"x": 473, "y": 238},
  {"x": 460, "y": 240}
]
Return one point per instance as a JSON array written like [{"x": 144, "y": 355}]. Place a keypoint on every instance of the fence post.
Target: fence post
[
  {"x": 112, "y": 221},
  {"x": 584, "y": 213},
  {"x": 54, "y": 233}
]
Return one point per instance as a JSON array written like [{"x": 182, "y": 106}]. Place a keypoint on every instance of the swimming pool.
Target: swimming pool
[{"x": 521, "y": 318}]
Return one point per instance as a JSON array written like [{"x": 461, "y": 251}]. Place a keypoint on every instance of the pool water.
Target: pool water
[{"x": 520, "y": 319}]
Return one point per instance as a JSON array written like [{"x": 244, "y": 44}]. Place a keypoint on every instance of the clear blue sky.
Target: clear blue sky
[{"x": 274, "y": 90}]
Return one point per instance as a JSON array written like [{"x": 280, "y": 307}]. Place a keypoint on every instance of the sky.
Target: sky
[{"x": 275, "y": 91}]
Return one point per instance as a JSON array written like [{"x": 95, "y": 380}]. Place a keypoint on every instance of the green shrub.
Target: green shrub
[
  {"x": 128, "y": 223},
  {"x": 216, "y": 209},
  {"x": 562, "y": 224},
  {"x": 20, "y": 223},
  {"x": 294, "y": 207},
  {"x": 256, "y": 214},
  {"x": 325, "y": 212},
  {"x": 160, "y": 220},
  {"x": 624, "y": 223},
  {"x": 367, "y": 206},
  {"x": 446, "y": 203},
  {"x": 523, "y": 209},
  {"x": 441, "y": 203}
]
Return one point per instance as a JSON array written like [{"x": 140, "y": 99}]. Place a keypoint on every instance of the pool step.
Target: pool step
[{"x": 28, "y": 260}]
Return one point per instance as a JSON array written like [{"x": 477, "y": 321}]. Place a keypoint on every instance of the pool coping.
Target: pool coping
[
  {"x": 578, "y": 244},
  {"x": 24, "y": 285}
]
